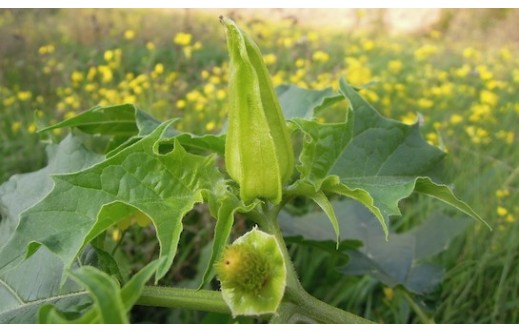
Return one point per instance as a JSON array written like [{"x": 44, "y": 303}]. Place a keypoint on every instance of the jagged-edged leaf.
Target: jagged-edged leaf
[
  {"x": 106, "y": 120},
  {"x": 82, "y": 205},
  {"x": 396, "y": 261},
  {"x": 302, "y": 103},
  {"x": 383, "y": 160},
  {"x": 25, "y": 190}
]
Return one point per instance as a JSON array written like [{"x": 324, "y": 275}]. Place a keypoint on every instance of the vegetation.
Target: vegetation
[{"x": 58, "y": 63}]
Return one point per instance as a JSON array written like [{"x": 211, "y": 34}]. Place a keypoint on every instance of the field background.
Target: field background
[{"x": 455, "y": 71}]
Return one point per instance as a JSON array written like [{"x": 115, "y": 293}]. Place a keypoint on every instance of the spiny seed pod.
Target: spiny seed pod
[
  {"x": 252, "y": 274},
  {"x": 258, "y": 148}
]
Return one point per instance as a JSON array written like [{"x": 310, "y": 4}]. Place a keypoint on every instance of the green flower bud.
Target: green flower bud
[
  {"x": 252, "y": 274},
  {"x": 258, "y": 148}
]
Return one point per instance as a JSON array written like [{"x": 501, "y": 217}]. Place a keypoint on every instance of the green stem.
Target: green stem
[
  {"x": 320, "y": 311},
  {"x": 203, "y": 300}
]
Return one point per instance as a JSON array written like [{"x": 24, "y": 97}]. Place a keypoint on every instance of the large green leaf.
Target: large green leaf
[
  {"x": 377, "y": 160},
  {"x": 393, "y": 262},
  {"x": 84, "y": 204},
  {"x": 25, "y": 190}
]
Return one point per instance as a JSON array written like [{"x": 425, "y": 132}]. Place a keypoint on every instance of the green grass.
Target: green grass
[{"x": 60, "y": 62}]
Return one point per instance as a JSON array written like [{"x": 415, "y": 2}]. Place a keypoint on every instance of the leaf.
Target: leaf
[
  {"x": 105, "y": 120},
  {"x": 377, "y": 160},
  {"x": 208, "y": 142},
  {"x": 228, "y": 206},
  {"x": 327, "y": 208},
  {"x": 298, "y": 103},
  {"x": 82, "y": 205},
  {"x": 112, "y": 303},
  {"x": 24, "y": 190},
  {"x": 393, "y": 262},
  {"x": 105, "y": 292},
  {"x": 35, "y": 282}
]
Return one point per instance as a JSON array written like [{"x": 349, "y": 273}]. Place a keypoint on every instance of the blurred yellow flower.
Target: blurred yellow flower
[
  {"x": 15, "y": 126},
  {"x": 388, "y": 293},
  {"x": 320, "y": 56},
  {"x": 368, "y": 45},
  {"x": 24, "y": 95},
  {"x": 432, "y": 138},
  {"x": 501, "y": 193},
  {"x": 182, "y": 39},
  {"x": 505, "y": 54},
  {"x": 129, "y": 34},
  {"x": 92, "y": 72},
  {"x": 409, "y": 118},
  {"x": 150, "y": 46},
  {"x": 69, "y": 114},
  {"x": 425, "y": 52},
  {"x": 470, "y": 53},
  {"x": 9, "y": 101},
  {"x": 221, "y": 94},
  {"x": 484, "y": 73},
  {"x": 488, "y": 97},
  {"x": 108, "y": 55},
  {"x": 208, "y": 88},
  {"x": 394, "y": 66},
  {"x": 270, "y": 59},
  {"x": 76, "y": 76},
  {"x": 210, "y": 126},
  {"x": 435, "y": 34},
  {"x": 181, "y": 103},
  {"x": 455, "y": 119},
  {"x": 425, "y": 103},
  {"x": 463, "y": 71},
  {"x": 312, "y": 36},
  {"x": 501, "y": 211},
  {"x": 159, "y": 68},
  {"x": 187, "y": 50},
  {"x": 46, "y": 49},
  {"x": 31, "y": 128},
  {"x": 106, "y": 73}
]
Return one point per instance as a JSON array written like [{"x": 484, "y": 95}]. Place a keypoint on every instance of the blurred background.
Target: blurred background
[{"x": 457, "y": 70}]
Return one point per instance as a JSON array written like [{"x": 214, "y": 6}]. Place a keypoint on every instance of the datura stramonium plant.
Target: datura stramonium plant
[
  {"x": 252, "y": 274},
  {"x": 258, "y": 149}
]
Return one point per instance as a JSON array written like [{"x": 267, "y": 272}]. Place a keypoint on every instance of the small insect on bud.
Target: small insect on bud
[{"x": 252, "y": 274}]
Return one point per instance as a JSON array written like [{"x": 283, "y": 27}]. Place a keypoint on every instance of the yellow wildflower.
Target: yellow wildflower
[
  {"x": 129, "y": 34},
  {"x": 270, "y": 59},
  {"x": 320, "y": 56},
  {"x": 182, "y": 39},
  {"x": 501, "y": 211}
]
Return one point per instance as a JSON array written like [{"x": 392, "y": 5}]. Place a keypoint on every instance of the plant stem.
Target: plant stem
[
  {"x": 322, "y": 312},
  {"x": 204, "y": 300}
]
